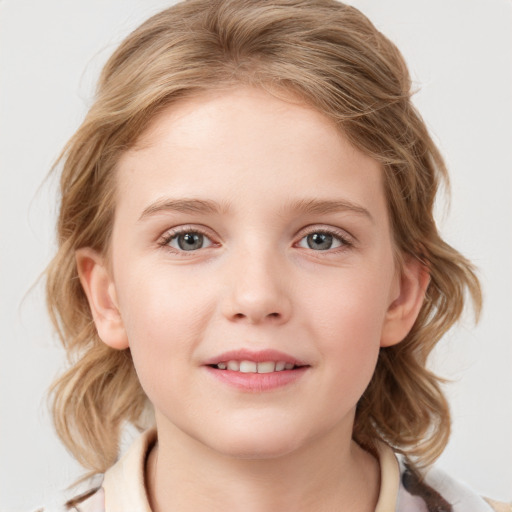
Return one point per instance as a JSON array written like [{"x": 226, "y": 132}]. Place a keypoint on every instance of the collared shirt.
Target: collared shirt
[{"x": 401, "y": 488}]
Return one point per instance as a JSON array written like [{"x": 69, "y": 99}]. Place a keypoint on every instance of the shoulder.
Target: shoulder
[
  {"x": 499, "y": 506},
  {"x": 436, "y": 490},
  {"x": 93, "y": 501},
  {"x": 121, "y": 488}
]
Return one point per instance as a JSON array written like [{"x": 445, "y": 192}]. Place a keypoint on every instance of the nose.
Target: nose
[{"x": 258, "y": 290}]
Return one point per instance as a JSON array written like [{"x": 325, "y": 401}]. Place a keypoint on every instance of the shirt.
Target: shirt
[{"x": 401, "y": 488}]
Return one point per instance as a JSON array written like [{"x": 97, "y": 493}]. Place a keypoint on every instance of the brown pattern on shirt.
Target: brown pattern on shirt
[{"x": 414, "y": 484}]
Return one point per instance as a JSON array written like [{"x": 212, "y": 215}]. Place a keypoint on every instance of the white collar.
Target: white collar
[{"x": 125, "y": 487}]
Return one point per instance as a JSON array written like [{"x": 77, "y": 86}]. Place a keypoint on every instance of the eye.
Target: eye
[
  {"x": 322, "y": 241},
  {"x": 187, "y": 241}
]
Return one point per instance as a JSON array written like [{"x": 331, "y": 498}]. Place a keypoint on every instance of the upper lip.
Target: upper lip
[{"x": 259, "y": 356}]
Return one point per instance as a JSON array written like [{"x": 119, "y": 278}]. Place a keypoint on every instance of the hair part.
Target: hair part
[{"x": 331, "y": 57}]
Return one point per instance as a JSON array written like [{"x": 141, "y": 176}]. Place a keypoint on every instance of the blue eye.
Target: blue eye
[
  {"x": 319, "y": 241},
  {"x": 189, "y": 241}
]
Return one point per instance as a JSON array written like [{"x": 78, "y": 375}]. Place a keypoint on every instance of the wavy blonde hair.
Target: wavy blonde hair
[{"x": 333, "y": 58}]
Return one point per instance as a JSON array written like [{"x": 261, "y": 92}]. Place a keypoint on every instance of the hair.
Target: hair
[{"x": 331, "y": 57}]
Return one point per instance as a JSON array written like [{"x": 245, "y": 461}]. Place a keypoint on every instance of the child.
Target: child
[{"x": 247, "y": 252}]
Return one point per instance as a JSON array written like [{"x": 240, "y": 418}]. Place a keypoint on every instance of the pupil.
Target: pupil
[
  {"x": 190, "y": 241},
  {"x": 319, "y": 241}
]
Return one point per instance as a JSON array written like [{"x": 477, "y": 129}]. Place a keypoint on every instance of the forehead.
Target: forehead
[
  {"x": 242, "y": 106},
  {"x": 245, "y": 142}
]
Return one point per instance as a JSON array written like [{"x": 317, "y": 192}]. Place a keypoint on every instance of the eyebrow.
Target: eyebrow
[
  {"x": 203, "y": 206},
  {"x": 325, "y": 206},
  {"x": 208, "y": 207}
]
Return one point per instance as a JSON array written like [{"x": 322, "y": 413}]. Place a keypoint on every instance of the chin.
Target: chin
[
  {"x": 256, "y": 443},
  {"x": 252, "y": 450}
]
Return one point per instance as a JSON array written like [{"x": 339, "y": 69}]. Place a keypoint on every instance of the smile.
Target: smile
[
  {"x": 245, "y": 366},
  {"x": 256, "y": 371}
]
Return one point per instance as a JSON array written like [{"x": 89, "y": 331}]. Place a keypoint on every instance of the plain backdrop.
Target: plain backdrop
[{"x": 460, "y": 56}]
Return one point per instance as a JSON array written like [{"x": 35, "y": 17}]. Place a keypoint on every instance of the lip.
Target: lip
[
  {"x": 256, "y": 382},
  {"x": 259, "y": 356}
]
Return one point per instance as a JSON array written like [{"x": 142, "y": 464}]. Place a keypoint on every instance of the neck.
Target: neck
[{"x": 333, "y": 473}]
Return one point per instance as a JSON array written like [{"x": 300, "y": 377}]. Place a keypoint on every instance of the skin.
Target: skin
[{"x": 255, "y": 284}]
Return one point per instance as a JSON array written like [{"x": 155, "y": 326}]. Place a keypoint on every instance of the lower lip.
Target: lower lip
[{"x": 257, "y": 382}]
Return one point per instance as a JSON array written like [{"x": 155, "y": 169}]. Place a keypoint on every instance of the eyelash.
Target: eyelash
[
  {"x": 169, "y": 236},
  {"x": 345, "y": 240}
]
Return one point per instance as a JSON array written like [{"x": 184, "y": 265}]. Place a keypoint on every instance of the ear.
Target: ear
[
  {"x": 406, "y": 304},
  {"x": 101, "y": 294}
]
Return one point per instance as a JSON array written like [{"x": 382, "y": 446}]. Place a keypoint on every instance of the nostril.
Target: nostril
[{"x": 256, "y": 316}]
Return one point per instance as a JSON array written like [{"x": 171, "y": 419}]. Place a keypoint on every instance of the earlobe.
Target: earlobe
[
  {"x": 404, "y": 309},
  {"x": 101, "y": 295}
]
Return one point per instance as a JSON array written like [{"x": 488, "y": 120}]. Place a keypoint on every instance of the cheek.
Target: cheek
[
  {"x": 164, "y": 321},
  {"x": 347, "y": 319},
  {"x": 161, "y": 305},
  {"x": 349, "y": 307}
]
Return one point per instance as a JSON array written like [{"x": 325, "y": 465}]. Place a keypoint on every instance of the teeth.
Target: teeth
[
  {"x": 248, "y": 367},
  {"x": 252, "y": 367},
  {"x": 267, "y": 367},
  {"x": 234, "y": 366}
]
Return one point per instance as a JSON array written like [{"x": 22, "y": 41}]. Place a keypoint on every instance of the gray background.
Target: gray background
[{"x": 460, "y": 55}]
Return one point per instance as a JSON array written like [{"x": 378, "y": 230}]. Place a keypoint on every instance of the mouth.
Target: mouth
[
  {"x": 251, "y": 371},
  {"x": 248, "y": 366}
]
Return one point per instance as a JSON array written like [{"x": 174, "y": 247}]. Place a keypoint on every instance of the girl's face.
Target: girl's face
[{"x": 249, "y": 236}]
